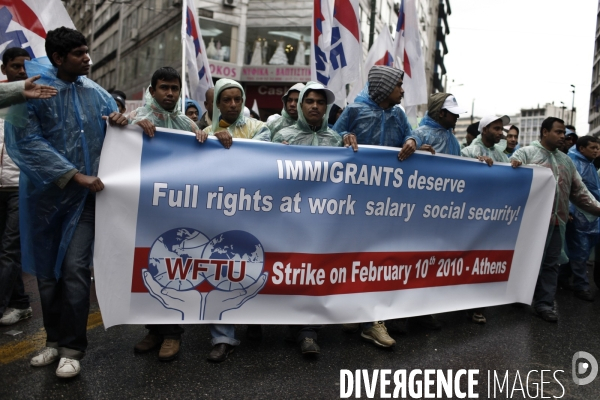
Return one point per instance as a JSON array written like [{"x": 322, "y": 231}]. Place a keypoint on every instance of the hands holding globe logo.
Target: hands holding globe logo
[{"x": 183, "y": 258}]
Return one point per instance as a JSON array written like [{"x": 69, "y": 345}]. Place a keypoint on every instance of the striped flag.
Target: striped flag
[{"x": 408, "y": 55}]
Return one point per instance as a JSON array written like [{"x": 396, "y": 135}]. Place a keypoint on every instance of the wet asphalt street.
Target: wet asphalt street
[{"x": 512, "y": 340}]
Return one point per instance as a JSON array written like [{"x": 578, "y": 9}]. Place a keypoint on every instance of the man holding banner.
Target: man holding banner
[{"x": 58, "y": 152}]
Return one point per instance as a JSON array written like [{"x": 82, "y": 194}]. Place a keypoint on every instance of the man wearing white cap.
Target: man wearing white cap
[
  {"x": 289, "y": 112},
  {"x": 436, "y": 128},
  {"x": 484, "y": 146}
]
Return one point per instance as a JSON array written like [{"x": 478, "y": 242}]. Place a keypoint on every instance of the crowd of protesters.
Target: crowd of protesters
[{"x": 48, "y": 181}]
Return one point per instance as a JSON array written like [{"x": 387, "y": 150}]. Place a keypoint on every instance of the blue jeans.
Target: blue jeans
[
  {"x": 545, "y": 288},
  {"x": 12, "y": 290},
  {"x": 66, "y": 302},
  {"x": 223, "y": 333}
]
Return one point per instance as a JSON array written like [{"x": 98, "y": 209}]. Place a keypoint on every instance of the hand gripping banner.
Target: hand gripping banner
[{"x": 265, "y": 233}]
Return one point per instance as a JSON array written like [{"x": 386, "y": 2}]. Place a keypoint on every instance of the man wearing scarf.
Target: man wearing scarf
[
  {"x": 374, "y": 118},
  {"x": 437, "y": 127},
  {"x": 161, "y": 110},
  {"x": 289, "y": 112}
]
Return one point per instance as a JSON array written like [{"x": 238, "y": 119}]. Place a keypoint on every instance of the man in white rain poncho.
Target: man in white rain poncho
[
  {"x": 437, "y": 127},
  {"x": 161, "y": 110},
  {"x": 484, "y": 146},
  {"x": 289, "y": 112},
  {"x": 228, "y": 120},
  {"x": 569, "y": 186}
]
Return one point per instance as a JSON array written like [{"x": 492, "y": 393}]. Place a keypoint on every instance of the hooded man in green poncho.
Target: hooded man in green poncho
[{"x": 289, "y": 112}]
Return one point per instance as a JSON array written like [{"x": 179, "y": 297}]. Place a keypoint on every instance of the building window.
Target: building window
[
  {"x": 220, "y": 40},
  {"x": 278, "y": 46}
]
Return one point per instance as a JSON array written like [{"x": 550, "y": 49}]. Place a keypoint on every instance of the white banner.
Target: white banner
[{"x": 308, "y": 235}]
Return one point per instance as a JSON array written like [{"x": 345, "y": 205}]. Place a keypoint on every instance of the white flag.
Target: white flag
[
  {"x": 337, "y": 50},
  {"x": 196, "y": 60},
  {"x": 380, "y": 54},
  {"x": 24, "y": 23},
  {"x": 408, "y": 55}
]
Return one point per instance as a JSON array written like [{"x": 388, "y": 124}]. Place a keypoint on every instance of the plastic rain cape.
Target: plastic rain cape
[
  {"x": 283, "y": 122},
  {"x": 569, "y": 185},
  {"x": 301, "y": 134},
  {"x": 441, "y": 139},
  {"x": 160, "y": 117},
  {"x": 477, "y": 148},
  {"x": 582, "y": 232},
  {"x": 373, "y": 125},
  {"x": 60, "y": 134},
  {"x": 242, "y": 127}
]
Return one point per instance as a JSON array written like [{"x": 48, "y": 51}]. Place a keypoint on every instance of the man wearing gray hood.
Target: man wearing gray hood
[{"x": 289, "y": 112}]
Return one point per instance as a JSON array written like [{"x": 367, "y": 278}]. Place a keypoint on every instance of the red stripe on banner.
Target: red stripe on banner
[{"x": 343, "y": 273}]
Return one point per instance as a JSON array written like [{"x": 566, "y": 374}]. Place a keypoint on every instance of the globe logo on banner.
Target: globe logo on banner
[
  {"x": 245, "y": 257},
  {"x": 171, "y": 257},
  {"x": 183, "y": 258}
]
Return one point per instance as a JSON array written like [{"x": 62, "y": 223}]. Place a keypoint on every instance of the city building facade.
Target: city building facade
[
  {"x": 594, "y": 112},
  {"x": 265, "y": 45},
  {"x": 530, "y": 120}
]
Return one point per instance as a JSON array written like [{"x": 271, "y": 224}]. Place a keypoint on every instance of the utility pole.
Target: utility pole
[
  {"x": 372, "y": 23},
  {"x": 573, "y": 104},
  {"x": 472, "y": 109}
]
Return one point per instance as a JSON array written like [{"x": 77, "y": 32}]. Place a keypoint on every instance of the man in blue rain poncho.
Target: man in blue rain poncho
[
  {"x": 289, "y": 112},
  {"x": 436, "y": 128},
  {"x": 58, "y": 152},
  {"x": 374, "y": 119},
  {"x": 228, "y": 120},
  {"x": 569, "y": 186},
  {"x": 161, "y": 110},
  {"x": 582, "y": 230}
]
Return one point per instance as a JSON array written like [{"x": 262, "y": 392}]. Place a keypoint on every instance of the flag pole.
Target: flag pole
[{"x": 183, "y": 44}]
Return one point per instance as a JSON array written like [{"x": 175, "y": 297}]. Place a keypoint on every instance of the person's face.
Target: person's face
[
  {"x": 555, "y": 138},
  {"x": 230, "y": 104},
  {"x": 447, "y": 119},
  {"x": 74, "y": 64},
  {"x": 314, "y": 106},
  {"x": 15, "y": 69},
  {"x": 591, "y": 151},
  {"x": 291, "y": 104},
  {"x": 166, "y": 93},
  {"x": 192, "y": 113},
  {"x": 569, "y": 141},
  {"x": 397, "y": 94},
  {"x": 512, "y": 139},
  {"x": 493, "y": 132},
  {"x": 208, "y": 104}
]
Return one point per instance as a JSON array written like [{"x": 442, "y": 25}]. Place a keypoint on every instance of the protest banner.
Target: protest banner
[{"x": 265, "y": 233}]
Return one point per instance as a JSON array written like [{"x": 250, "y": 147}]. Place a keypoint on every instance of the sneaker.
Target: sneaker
[
  {"x": 547, "y": 315},
  {"x": 14, "y": 315},
  {"x": 44, "y": 357},
  {"x": 478, "y": 318},
  {"x": 148, "y": 343},
  {"x": 169, "y": 349},
  {"x": 308, "y": 346},
  {"x": 584, "y": 295},
  {"x": 377, "y": 334},
  {"x": 350, "y": 328},
  {"x": 68, "y": 368}
]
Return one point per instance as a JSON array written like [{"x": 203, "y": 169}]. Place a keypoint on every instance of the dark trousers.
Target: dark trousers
[
  {"x": 170, "y": 331},
  {"x": 545, "y": 288},
  {"x": 66, "y": 302},
  {"x": 300, "y": 332},
  {"x": 12, "y": 290}
]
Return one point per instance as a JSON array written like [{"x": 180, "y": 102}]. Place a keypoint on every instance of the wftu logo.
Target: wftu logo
[{"x": 182, "y": 259}]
